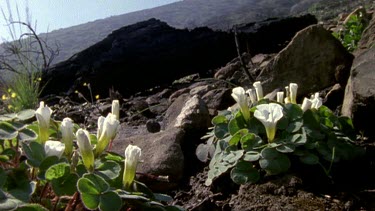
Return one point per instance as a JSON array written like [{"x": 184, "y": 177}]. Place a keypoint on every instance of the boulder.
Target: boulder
[
  {"x": 311, "y": 60},
  {"x": 161, "y": 154},
  {"x": 359, "y": 100},
  {"x": 189, "y": 113}
]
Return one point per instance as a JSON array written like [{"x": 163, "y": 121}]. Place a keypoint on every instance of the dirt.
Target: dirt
[{"x": 351, "y": 186}]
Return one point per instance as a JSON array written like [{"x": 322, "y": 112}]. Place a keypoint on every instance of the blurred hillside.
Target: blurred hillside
[{"x": 216, "y": 14}]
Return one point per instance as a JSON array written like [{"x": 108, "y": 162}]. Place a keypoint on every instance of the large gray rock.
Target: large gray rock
[
  {"x": 189, "y": 113},
  {"x": 311, "y": 60},
  {"x": 359, "y": 100},
  {"x": 161, "y": 153}
]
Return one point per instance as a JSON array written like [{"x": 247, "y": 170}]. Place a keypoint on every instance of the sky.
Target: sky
[{"x": 55, "y": 14}]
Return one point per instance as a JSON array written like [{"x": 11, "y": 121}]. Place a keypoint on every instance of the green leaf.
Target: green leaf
[
  {"x": 233, "y": 156},
  {"x": 113, "y": 156},
  {"x": 66, "y": 185},
  {"x": 293, "y": 111},
  {"x": 162, "y": 197},
  {"x": 56, "y": 171},
  {"x": 244, "y": 173},
  {"x": 250, "y": 141},
  {"x": 7, "y": 132},
  {"x": 9, "y": 204},
  {"x": 32, "y": 207},
  {"x": 110, "y": 201},
  {"x": 294, "y": 126},
  {"x": 8, "y": 117},
  {"x": 219, "y": 119},
  {"x": 25, "y": 114},
  {"x": 273, "y": 162},
  {"x": 237, "y": 137},
  {"x": 26, "y": 135},
  {"x": 91, "y": 201},
  {"x": 221, "y": 130},
  {"x": 251, "y": 156},
  {"x": 286, "y": 148},
  {"x": 45, "y": 164},
  {"x": 86, "y": 186},
  {"x": 3, "y": 177},
  {"x": 34, "y": 152},
  {"x": 311, "y": 120},
  {"x": 309, "y": 159},
  {"x": 296, "y": 139},
  {"x": 99, "y": 182},
  {"x": 108, "y": 170},
  {"x": 236, "y": 124},
  {"x": 202, "y": 152}
]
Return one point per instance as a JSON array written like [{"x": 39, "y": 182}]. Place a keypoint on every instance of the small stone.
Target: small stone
[{"x": 152, "y": 126}]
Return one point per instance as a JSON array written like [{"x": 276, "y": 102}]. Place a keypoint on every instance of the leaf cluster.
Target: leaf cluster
[
  {"x": 313, "y": 137},
  {"x": 31, "y": 180}
]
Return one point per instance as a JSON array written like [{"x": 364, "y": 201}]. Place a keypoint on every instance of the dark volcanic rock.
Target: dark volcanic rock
[
  {"x": 274, "y": 33},
  {"x": 151, "y": 53},
  {"x": 141, "y": 56}
]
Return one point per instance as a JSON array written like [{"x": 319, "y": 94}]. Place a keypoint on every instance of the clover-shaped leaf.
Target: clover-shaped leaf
[
  {"x": 108, "y": 169},
  {"x": 244, "y": 173},
  {"x": 273, "y": 162}
]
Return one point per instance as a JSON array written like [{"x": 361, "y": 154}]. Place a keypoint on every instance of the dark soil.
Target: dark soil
[{"x": 351, "y": 186}]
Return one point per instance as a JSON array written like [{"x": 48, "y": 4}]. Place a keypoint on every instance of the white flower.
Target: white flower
[
  {"x": 85, "y": 148},
  {"x": 259, "y": 90},
  {"x": 67, "y": 135},
  {"x": 107, "y": 130},
  {"x": 116, "y": 109},
  {"x": 54, "y": 148},
  {"x": 269, "y": 114},
  {"x": 101, "y": 120},
  {"x": 317, "y": 101},
  {"x": 293, "y": 92},
  {"x": 280, "y": 97},
  {"x": 240, "y": 97},
  {"x": 43, "y": 116},
  {"x": 252, "y": 94},
  {"x": 306, "y": 104},
  {"x": 132, "y": 155}
]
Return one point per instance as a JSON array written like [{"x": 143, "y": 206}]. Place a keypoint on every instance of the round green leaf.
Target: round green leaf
[
  {"x": 99, "y": 182},
  {"x": 7, "y": 132},
  {"x": 219, "y": 119},
  {"x": 57, "y": 170},
  {"x": 8, "y": 117},
  {"x": 237, "y": 137},
  {"x": 309, "y": 159},
  {"x": 27, "y": 135},
  {"x": 91, "y": 201},
  {"x": 251, "y": 156},
  {"x": 294, "y": 126},
  {"x": 109, "y": 170},
  {"x": 244, "y": 173},
  {"x": 274, "y": 162},
  {"x": 110, "y": 201},
  {"x": 34, "y": 152},
  {"x": 66, "y": 185},
  {"x": 221, "y": 130},
  {"x": 86, "y": 186},
  {"x": 293, "y": 111},
  {"x": 202, "y": 152},
  {"x": 250, "y": 141},
  {"x": 45, "y": 164},
  {"x": 25, "y": 114},
  {"x": 286, "y": 148}
]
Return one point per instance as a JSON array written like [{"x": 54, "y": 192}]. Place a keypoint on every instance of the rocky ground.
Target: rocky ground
[{"x": 150, "y": 118}]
